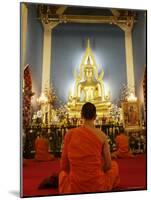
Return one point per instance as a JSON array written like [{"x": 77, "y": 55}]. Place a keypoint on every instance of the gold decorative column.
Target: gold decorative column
[
  {"x": 127, "y": 28},
  {"x": 24, "y": 17}
]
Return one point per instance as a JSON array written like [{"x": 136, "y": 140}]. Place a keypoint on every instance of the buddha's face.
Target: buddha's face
[{"x": 88, "y": 73}]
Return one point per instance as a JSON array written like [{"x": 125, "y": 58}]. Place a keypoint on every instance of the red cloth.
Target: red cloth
[
  {"x": 81, "y": 164},
  {"x": 122, "y": 144},
  {"x": 42, "y": 147}
]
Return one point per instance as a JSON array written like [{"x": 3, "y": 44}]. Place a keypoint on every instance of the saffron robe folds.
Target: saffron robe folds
[
  {"x": 81, "y": 164},
  {"x": 42, "y": 150},
  {"x": 122, "y": 143}
]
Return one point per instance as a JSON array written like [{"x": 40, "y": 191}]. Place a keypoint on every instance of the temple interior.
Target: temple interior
[{"x": 71, "y": 55}]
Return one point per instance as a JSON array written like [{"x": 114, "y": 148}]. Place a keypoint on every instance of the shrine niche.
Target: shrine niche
[
  {"x": 131, "y": 115},
  {"x": 88, "y": 87}
]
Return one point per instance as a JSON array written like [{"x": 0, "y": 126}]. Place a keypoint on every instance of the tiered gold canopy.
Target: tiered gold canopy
[{"x": 89, "y": 87}]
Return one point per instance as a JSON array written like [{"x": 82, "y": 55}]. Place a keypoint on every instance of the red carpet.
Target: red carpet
[{"x": 132, "y": 173}]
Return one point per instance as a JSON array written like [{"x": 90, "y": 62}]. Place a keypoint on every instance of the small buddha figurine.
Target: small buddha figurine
[{"x": 90, "y": 87}]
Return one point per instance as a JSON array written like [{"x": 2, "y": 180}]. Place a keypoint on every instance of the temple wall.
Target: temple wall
[{"x": 34, "y": 48}]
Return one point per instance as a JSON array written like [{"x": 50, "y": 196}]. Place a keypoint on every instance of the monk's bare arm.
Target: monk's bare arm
[
  {"x": 106, "y": 150},
  {"x": 106, "y": 155}
]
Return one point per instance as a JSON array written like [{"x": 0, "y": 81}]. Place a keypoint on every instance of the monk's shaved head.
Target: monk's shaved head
[{"x": 88, "y": 111}]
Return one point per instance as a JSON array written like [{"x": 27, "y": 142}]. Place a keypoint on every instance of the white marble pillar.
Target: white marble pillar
[
  {"x": 129, "y": 56},
  {"x": 46, "y": 65},
  {"x": 46, "y": 58},
  {"x": 129, "y": 60}
]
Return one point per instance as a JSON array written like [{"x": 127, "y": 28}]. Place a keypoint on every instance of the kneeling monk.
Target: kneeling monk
[
  {"x": 42, "y": 149},
  {"x": 86, "y": 164},
  {"x": 122, "y": 146}
]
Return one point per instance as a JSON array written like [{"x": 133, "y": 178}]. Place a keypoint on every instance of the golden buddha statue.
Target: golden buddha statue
[{"x": 89, "y": 86}]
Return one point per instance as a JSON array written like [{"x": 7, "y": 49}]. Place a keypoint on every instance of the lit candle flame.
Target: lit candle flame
[{"x": 132, "y": 97}]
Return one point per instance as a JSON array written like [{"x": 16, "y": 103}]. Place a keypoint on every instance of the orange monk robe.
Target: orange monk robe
[
  {"x": 81, "y": 164},
  {"x": 122, "y": 144},
  {"x": 41, "y": 148}
]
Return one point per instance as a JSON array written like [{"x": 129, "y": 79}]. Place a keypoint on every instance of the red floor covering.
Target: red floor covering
[{"x": 132, "y": 173}]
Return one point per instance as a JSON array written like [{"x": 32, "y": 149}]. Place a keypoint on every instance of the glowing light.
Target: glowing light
[
  {"x": 106, "y": 87},
  {"x": 131, "y": 97},
  {"x": 39, "y": 114},
  {"x": 33, "y": 100},
  {"x": 42, "y": 99},
  {"x": 99, "y": 61},
  {"x": 71, "y": 88}
]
